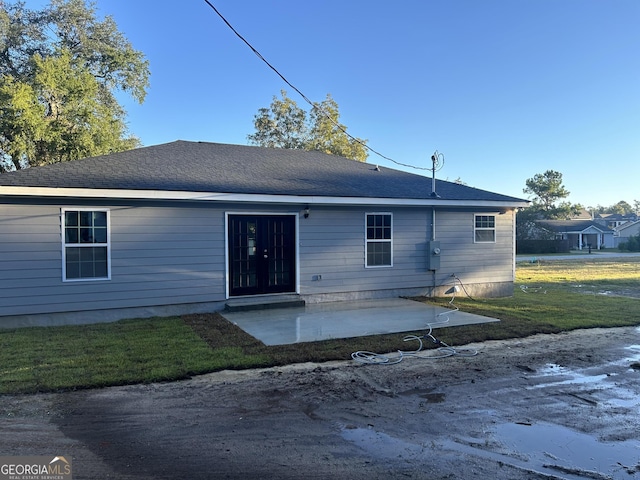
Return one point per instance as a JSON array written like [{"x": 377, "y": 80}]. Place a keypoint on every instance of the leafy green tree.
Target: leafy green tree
[
  {"x": 282, "y": 125},
  {"x": 547, "y": 191},
  {"x": 622, "y": 207},
  {"x": 285, "y": 125},
  {"x": 60, "y": 69}
]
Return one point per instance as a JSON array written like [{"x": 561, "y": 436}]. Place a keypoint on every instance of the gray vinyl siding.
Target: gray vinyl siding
[
  {"x": 159, "y": 256},
  {"x": 30, "y": 254},
  {"x": 170, "y": 254},
  {"x": 332, "y": 245},
  {"x": 475, "y": 262}
]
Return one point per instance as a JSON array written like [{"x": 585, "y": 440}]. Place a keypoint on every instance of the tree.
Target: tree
[
  {"x": 285, "y": 125},
  {"x": 60, "y": 69},
  {"x": 547, "y": 190},
  {"x": 622, "y": 207},
  {"x": 282, "y": 125}
]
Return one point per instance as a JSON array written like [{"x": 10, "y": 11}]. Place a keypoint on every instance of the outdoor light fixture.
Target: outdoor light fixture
[{"x": 306, "y": 211}]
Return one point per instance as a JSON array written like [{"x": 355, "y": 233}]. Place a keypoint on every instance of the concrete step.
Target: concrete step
[{"x": 263, "y": 303}]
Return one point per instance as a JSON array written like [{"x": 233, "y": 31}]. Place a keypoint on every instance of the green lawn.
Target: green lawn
[{"x": 558, "y": 296}]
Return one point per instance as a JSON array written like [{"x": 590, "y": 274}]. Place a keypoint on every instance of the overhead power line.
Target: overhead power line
[{"x": 306, "y": 99}]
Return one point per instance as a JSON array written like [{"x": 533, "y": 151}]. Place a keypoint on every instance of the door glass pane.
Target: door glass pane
[
  {"x": 280, "y": 253},
  {"x": 243, "y": 254}
]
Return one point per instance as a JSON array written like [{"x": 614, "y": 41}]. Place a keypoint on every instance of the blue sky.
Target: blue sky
[{"x": 504, "y": 89}]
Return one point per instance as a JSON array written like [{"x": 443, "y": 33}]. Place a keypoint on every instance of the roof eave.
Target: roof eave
[{"x": 86, "y": 193}]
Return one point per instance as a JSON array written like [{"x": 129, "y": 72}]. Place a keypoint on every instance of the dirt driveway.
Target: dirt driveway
[{"x": 550, "y": 406}]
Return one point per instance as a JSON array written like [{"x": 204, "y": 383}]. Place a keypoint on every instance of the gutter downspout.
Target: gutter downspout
[{"x": 433, "y": 237}]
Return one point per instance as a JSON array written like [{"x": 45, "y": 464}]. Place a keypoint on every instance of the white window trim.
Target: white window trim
[
  {"x": 64, "y": 243},
  {"x": 366, "y": 240},
  {"x": 494, "y": 228}
]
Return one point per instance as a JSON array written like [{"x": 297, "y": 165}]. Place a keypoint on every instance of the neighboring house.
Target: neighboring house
[
  {"x": 623, "y": 232},
  {"x": 614, "y": 220},
  {"x": 584, "y": 214},
  {"x": 186, "y": 226},
  {"x": 580, "y": 233}
]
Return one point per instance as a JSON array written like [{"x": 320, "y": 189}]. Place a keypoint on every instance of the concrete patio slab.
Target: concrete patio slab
[{"x": 324, "y": 321}]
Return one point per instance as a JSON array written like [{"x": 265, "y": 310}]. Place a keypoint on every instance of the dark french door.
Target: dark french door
[{"x": 261, "y": 254}]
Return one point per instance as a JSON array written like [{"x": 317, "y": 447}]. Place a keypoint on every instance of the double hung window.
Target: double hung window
[
  {"x": 86, "y": 247},
  {"x": 379, "y": 240},
  {"x": 485, "y": 229}
]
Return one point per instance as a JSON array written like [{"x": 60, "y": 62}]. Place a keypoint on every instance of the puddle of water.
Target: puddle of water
[
  {"x": 575, "y": 378},
  {"x": 555, "y": 447},
  {"x": 544, "y": 448},
  {"x": 617, "y": 396},
  {"x": 380, "y": 445},
  {"x": 427, "y": 393},
  {"x": 636, "y": 349},
  {"x": 630, "y": 402}
]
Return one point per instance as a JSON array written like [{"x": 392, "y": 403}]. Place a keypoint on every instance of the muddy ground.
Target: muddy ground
[{"x": 549, "y": 406}]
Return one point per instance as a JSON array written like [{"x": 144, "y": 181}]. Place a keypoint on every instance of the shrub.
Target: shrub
[
  {"x": 542, "y": 246},
  {"x": 631, "y": 245}
]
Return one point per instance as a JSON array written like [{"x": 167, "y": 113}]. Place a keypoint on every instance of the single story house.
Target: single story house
[
  {"x": 187, "y": 226},
  {"x": 623, "y": 232},
  {"x": 580, "y": 233}
]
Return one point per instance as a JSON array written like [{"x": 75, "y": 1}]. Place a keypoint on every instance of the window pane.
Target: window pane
[
  {"x": 99, "y": 219},
  {"x": 101, "y": 270},
  {"x": 378, "y": 253},
  {"x": 71, "y": 219},
  {"x": 86, "y": 262},
  {"x": 86, "y": 235},
  {"x": 86, "y": 254},
  {"x": 86, "y": 219},
  {"x": 378, "y": 227},
  {"x": 485, "y": 221},
  {"x": 100, "y": 254},
  {"x": 86, "y": 270},
  {"x": 71, "y": 235},
  {"x": 485, "y": 235},
  {"x": 72, "y": 254},
  {"x": 370, "y": 221},
  {"x": 73, "y": 270},
  {"x": 371, "y": 233},
  {"x": 99, "y": 235}
]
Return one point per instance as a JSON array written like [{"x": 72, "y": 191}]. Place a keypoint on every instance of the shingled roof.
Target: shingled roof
[
  {"x": 183, "y": 166},
  {"x": 570, "y": 226}
]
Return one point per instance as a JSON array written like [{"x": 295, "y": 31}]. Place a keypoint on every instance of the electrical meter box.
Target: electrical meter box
[{"x": 433, "y": 255}]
